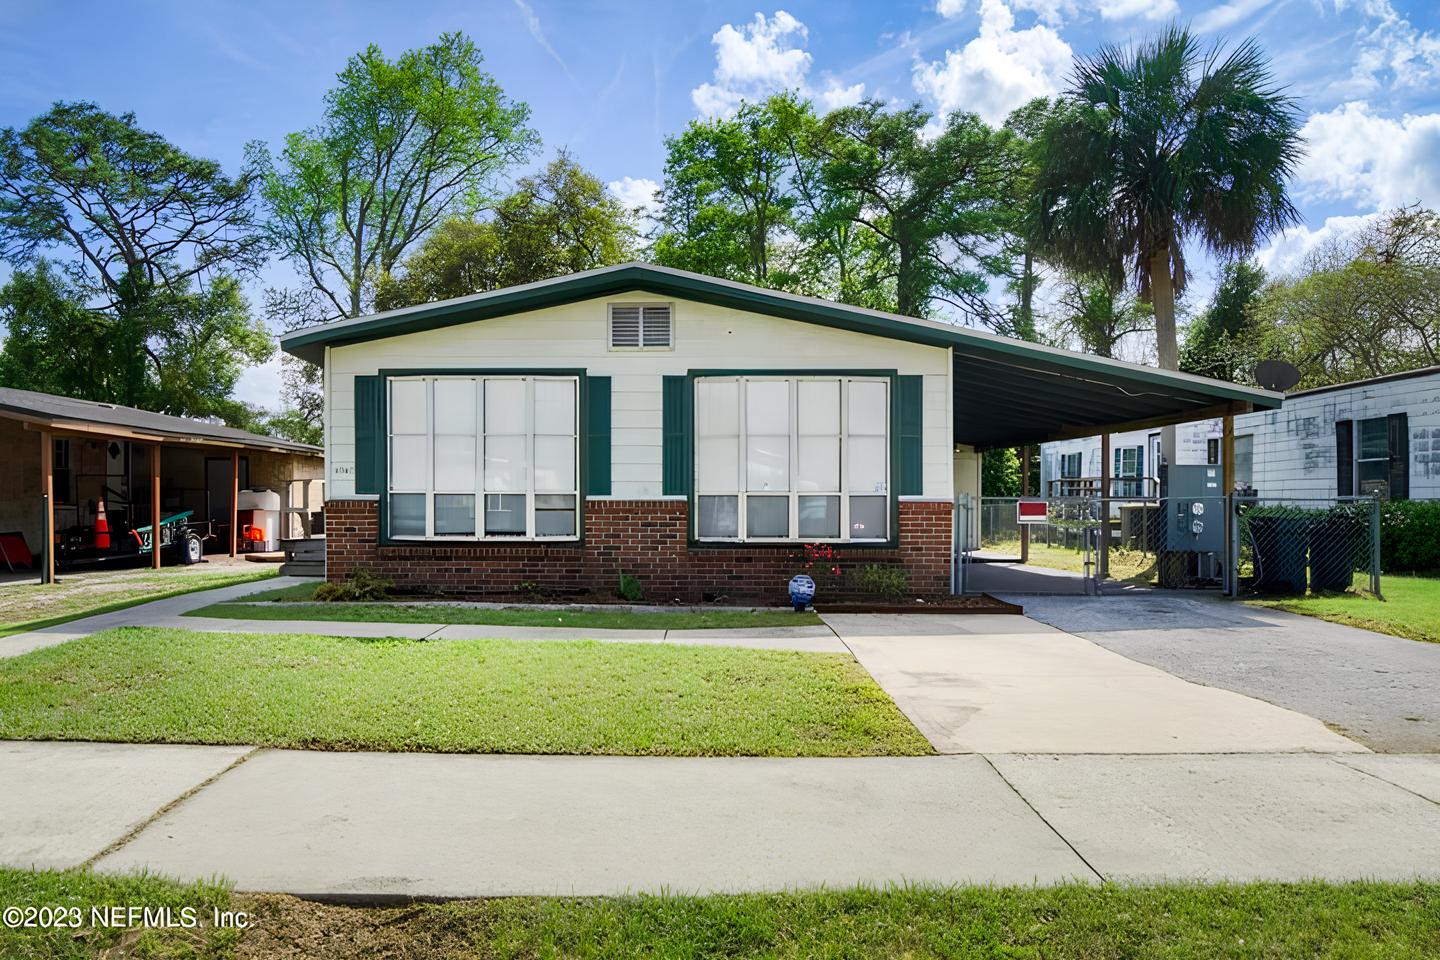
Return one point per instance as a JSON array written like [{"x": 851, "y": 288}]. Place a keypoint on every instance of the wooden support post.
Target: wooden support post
[
  {"x": 1227, "y": 487},
  {"x": 155, "y": 506},
  {"x": 234, "y": 499},
  {"x": 47, "y": 491},
  {"x": 1025, "y": 492},
  {"x": 1102, "y": 569}
]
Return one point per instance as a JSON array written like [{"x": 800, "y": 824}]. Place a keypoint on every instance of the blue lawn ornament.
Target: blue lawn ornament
[{"x": 802, "y": 591}]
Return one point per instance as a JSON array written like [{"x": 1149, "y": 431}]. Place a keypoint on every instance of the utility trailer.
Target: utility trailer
[{"x": 182, "y": 538}]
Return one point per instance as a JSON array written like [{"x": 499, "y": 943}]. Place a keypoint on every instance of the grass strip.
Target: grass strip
[
  {"x": 145, "y": 593},
  {"x": 1411, "y": 608},
  {"x": 1394, "y": 921},
  {"x": 508, "y": 616}
]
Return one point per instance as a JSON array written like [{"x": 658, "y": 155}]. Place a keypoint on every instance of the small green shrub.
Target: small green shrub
[
  {"x": 1410, "y": 536},
  {"x": 891, "y": 583},
  {"x": 360, "y": 587},
  {"x": 630, "y": 590}
]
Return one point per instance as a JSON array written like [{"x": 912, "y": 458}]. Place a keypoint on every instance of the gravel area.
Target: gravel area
[{"x": 1380, "y": 690}]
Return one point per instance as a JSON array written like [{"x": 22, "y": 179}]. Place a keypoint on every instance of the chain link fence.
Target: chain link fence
[
  {"x": 1244, "y": 545},
  {"x": 1292, "y": 545}
]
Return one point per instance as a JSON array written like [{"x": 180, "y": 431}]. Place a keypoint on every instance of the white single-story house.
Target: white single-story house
[
  {"x": 692, "y": 432},
  {"x": 1380, "y": 435}
]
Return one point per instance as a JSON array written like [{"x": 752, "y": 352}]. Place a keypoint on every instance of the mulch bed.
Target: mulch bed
[{"x": 969, "y": 603}]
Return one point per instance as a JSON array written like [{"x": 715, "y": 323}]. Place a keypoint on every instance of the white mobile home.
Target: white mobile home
[{"x": 1378, "y": 435}]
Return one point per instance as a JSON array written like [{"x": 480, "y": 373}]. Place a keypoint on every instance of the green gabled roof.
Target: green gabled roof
[{"x": 1007, "y": 356}]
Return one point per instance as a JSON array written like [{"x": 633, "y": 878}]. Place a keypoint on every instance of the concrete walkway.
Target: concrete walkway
[
  {"x": 1008, "y": 684},
  {"x": 456, "y": 825},
  {"x": 171, "y": 613}
]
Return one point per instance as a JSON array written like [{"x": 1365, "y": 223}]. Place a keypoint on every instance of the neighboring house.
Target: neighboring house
[
  {"x": 1380, "y": 435},
  {"x": 88, "y": 452},
  {"x": 689, "y": 431}
]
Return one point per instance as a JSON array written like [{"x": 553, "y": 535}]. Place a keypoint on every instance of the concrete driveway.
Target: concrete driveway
[
  {"x": 1008, "y": 684},
  {"x": 1380, "y": 690}
]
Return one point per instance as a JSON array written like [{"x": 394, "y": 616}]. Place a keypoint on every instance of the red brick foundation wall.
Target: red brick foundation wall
[{"x": 644, "y": 538}]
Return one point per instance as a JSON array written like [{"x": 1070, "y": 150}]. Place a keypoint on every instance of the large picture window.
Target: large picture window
[
  {"x": 483, "y": 457},
  {"x": 792, "y": 458}
]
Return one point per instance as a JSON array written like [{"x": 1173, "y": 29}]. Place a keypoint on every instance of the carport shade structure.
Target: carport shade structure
[
  {"x": 1029, "y": 393},
  {"x": 52, "y": 416}
]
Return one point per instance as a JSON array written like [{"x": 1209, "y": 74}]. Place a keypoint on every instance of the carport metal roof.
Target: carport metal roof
[{"x": 1007, "y": 392}]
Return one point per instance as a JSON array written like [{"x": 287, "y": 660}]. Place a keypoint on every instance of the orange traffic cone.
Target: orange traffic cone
[{"x": 102, "y": 527}]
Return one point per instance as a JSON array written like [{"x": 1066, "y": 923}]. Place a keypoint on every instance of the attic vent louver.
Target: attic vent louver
[{"x": 640, "y": 327}]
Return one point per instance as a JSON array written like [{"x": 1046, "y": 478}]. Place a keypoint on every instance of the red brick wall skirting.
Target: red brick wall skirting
[{"x": 644, "y": 538}]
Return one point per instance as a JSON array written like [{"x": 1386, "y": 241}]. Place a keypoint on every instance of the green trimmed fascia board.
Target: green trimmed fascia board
[
  {"x": 666, "y": 281},
  {"x": 383, "y": 455},
  {"x": 892, "y": 542}
]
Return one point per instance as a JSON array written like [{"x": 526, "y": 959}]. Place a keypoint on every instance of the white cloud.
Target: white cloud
[
  {"x": 834, "y": 96},
  {"x": 636, "y": 193},
  {"x": 537, "y": 32},
  {"x": 761, "y": 57},
  {"x": 1391, "y": 47},
  {"x": 1372, "y": 161},
  {"x": 949, "y": 8},
  {"x": 1149, "y": 9},
  {"x": 1287, "y": 252},
  {"x": 997, "y": 71},
  {"x": 1226, "y": 15}
]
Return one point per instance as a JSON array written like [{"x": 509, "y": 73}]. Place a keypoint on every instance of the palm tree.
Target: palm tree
[{"x": 1156, "y": 145}]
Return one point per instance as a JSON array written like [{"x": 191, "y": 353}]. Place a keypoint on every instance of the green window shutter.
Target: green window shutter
[
  {"x": 1398, "y": 425},
  {"x": 597, "y": 436},
  {"x": 1344, "y": 459},
  {"x": 676, "y": 458},
  {"x": 369, "y": 430},
  {"x": 911, "y": 468}
]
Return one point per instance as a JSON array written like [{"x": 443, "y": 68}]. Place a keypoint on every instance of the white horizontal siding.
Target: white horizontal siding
[
  {"x": 1294, "y": 447},
  {"x": 706, "y": 337}
]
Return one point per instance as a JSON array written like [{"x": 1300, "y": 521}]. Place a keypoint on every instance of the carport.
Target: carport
[
  {"x": 64, "y": 456},
  {"x": 1033, "y": 394}
]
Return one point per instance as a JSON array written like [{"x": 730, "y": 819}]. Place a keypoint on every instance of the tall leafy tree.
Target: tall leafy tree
[
  {"x": 401, "y": 145},
  {"x": 152, "y": 239},
  {"x": 939, "y": 205},
  {"x": 561, "y": 220},
  {"x": 178, "y": 349},
  {"x": 1363, "y": 306},
  {"x": 123, "y": 200},
  {"x": 726, "y": 201},
  {"x": 1157, "y": 145},
  {"x": 1098, "y": 313},
  {"x": 1221, "y": 342}
]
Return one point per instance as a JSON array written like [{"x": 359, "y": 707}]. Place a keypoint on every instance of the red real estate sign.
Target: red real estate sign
[{"x": 1031, "y": 511}]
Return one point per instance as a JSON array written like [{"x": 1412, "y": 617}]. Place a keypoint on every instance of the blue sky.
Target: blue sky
[{"x": 610, "y": 80}]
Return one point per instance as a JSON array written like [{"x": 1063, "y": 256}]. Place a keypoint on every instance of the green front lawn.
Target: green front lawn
[
  {"x": 1394, "y": 921},
  {"x": 146, "y": 685},
  {"x": 281, "y": 604},
  {"x": 30, "y": 606},
  {"x": 1411, "y": 607}
]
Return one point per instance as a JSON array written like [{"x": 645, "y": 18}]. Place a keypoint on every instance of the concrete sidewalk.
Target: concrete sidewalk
[{"x": 460, "y": 825}]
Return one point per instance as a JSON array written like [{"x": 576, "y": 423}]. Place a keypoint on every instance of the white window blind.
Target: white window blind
[
  {"x": 483, "y": 457},
  {"x": 787, "y": 458},
  {"x": 637, "y": 326}
]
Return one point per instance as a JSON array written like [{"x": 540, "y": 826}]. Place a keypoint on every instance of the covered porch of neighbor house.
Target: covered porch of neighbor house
[
  {"x": 68, "y": 460},
  {"x": 1008, "y": 394}
]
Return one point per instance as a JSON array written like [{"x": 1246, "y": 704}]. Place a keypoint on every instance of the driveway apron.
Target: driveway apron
[{"x": 1008, "y": 684}]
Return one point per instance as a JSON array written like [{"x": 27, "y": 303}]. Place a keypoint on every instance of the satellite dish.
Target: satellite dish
[{"x": 1276, "y": 375}]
